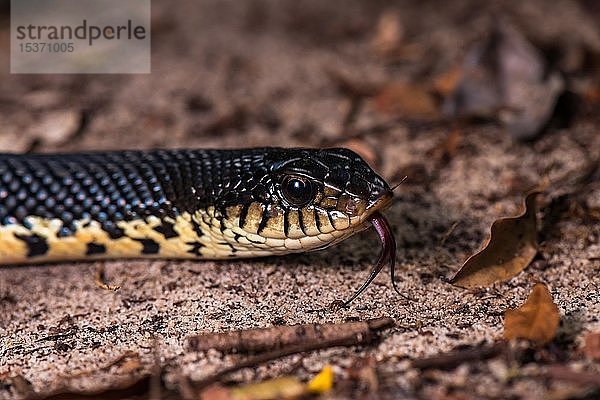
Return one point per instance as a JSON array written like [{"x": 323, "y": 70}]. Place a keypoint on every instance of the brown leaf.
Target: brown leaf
[
  {"x": 537, "y": 319},
  {"x": 406, "y": 99},
  {"x": 507, "y": 78},
  {"x": 592, "y": 346},
  {"x": 511, "y": 247}
]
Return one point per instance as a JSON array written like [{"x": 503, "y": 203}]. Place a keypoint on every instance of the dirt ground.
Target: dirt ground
[{"x": 257, "y": 73}]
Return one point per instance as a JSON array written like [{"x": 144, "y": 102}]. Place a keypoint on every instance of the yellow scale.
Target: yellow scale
[{"x": 216, "y": 243}]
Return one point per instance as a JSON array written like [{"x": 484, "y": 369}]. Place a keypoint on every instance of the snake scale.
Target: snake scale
[{"x": 198, "y": 204}]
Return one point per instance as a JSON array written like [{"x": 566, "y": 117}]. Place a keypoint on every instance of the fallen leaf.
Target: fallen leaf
[
  {"x": 279, "y": 388},
  {"x": 406, "y": 100},
  {"x": 591, "y": 348},
  {"x": 323, "y": 382},
  {"x": 507, "y": 79},
  {"x": 536, "y": 320},
  {"x": 286, "y": 387},
  {"x": 509, "y": 250}
]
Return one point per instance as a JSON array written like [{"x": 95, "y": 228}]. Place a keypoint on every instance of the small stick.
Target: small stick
[
  {"x": 448, "y": 233},
  {"x": 263, "y": 339},
  {"x": 455, "y": 358},
  {"x": 344, "y": 338}
]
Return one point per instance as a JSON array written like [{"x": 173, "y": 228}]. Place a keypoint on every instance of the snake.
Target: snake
[{"x": 204, "y": 204}]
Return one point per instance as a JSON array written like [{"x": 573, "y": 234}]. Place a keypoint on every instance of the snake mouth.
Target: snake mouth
[
  {"x": 381, "y": 201},
  {"x": 378, "y": 202},
  {"x": 387, "y": 255}
]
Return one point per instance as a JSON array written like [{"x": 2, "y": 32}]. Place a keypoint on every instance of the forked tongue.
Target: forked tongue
[{"x": 386, "y": 256}]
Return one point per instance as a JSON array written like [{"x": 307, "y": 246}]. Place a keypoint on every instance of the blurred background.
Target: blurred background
[{"x": 259, "y": 72}]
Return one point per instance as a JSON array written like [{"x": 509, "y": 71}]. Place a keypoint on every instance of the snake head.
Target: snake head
[
  {"x": 306, "y": 199},
  {"x": 333, "y": 181}
]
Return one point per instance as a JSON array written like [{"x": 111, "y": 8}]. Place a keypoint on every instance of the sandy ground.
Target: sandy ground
[{"x": 226, "y": 74}]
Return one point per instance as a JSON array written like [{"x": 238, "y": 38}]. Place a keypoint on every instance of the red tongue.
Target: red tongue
[{"x": 386, "y": 256}]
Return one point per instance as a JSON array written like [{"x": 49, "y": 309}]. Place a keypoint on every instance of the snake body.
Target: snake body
[{"x": 208, "y": 204}]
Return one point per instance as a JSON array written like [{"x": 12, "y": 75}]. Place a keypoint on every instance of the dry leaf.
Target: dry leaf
[
  {"x": 592, "y": 346},
  {"x": 507, "y": 78},
  {"x": 279, "y": 388},
  {"x": 537, "y": 319},
  {"x": 511, "y": 247},
  {"x": 405, "y": 99},
  {"x": 286, "y": 387},
  {"x": 323, "y": 382}
]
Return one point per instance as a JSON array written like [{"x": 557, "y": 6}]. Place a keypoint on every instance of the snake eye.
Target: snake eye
[{"x": 297, "y": 190}]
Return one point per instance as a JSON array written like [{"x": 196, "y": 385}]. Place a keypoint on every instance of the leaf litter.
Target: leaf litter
[
  {"x": 510, "y": 248},
  {"x": 536, "y": 320},
  {"x": 284, "y": 387},
  {"x": 506, "y": 79}
]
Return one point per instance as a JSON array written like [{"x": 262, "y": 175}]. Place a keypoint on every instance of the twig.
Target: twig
[
  {"x": 448, "y": 233},
  {"x": 455, "y": 358},
  {"x": 343, "y": 338},
  {"x": 263, "y": 339}
]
